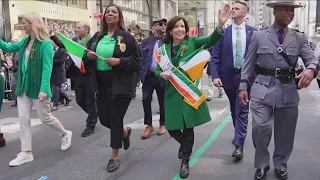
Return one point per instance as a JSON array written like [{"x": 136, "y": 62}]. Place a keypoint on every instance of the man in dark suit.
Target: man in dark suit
[
  {"x": 58, "y": 74},
  {"x": 226, "y": 69},
  {"x": 82, "y": 82},
  {"x": 148, "y": 78}
]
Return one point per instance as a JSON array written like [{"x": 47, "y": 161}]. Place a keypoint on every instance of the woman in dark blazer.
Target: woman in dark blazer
[{"x": 114, "y": 60}]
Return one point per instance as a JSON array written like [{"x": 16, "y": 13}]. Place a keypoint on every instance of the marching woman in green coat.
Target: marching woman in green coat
[
  {"x": 33, "y": 84},
  {"x": 180, "y": 117}
]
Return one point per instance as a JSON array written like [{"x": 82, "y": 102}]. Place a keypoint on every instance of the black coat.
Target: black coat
[
  {"x": 125, "y": 74},
  {"x": 58, "y": 75}
]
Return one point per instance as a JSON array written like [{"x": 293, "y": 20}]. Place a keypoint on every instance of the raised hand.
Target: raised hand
[{"x": 224, "y": 14}]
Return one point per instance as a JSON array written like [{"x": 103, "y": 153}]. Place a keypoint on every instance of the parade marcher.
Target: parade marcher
[
  {"x": 181, "y": 117},
  {"x": 149, "y": 81},
  {"x": 35, "y": 62},
  {"x": 82, "y": 82},
  {"x": 113, "y": 60},
  {"x": 227, "y": 58},
  {"x": 270, "y": 68},
  {"x": 58, "y": 73},
  {"x": 2, "y": 140},
  {"x": 14, "y": 74},
  {"x": 210, "y": 84}
]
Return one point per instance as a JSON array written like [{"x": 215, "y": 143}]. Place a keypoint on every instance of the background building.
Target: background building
[
  {"x": 1, "y": 20},
  {"x": 61, "y": 16},
  {"x": 138, "y": 14}
]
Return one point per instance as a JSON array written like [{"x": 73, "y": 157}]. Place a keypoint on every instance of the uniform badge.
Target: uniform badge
[{"x": 121, "y": 45}]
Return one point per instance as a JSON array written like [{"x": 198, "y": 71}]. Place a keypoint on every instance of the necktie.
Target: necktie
[
  {"x": 238, "y": 63},
  {"x": 281, "y": 36}
]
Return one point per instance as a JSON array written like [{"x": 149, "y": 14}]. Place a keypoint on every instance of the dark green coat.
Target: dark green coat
[{"x": 177, "y": 112}]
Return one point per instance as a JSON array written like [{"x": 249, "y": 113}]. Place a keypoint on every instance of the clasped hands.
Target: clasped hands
[{"x": 110, "y": 61}]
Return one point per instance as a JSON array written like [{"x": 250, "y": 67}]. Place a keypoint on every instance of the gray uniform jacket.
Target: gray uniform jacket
[{"x": 263, "y": 51}]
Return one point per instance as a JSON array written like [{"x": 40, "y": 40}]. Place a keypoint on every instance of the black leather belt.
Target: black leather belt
[
  {"x": 284, "y": 74},
  {"x": 236, "y": 70}
]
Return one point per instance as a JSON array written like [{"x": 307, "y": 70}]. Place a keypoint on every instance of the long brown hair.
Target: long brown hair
[
  {"x": 104, "y": 25},
  {"x": 170, "y": 26}
]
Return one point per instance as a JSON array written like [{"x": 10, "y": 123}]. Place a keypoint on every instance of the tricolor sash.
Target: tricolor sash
[{"x": 188, "y": 89}]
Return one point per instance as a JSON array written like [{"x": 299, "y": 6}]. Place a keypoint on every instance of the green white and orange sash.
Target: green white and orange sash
[{"x": 188, "y": 89}]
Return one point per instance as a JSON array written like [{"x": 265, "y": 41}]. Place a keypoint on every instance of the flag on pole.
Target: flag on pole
[
  {"x": 75, "y": 51},
  {"x": 194, "y": 63}
]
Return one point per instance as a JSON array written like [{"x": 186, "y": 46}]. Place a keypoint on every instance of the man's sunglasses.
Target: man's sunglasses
[{"x": 161, "y": 24}]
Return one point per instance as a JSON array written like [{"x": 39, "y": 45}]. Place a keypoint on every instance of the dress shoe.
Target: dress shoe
[
  {"x": 126, "y": 140},
  {"x": 2, "y": 140},
  {"x": 113, "y": 165},
  {"x": 180, "y": 153},
  {"x": 238, "y": 152},
  {"x": 162, "y": 130},
  {"x": 184, "y": 169},
  {"x": 147, "y": 132},
  {"x": 67, "y": 102},
  {"x": 261, "y": 173},
  {"x": 14, "y": 104},
  {"x": 88, "y": 131},
  {"x": 281, "y": 174}
]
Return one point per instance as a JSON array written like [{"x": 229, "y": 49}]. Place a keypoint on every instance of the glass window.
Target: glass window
[
  {"x": 72, "y": 3},
  {"x": 68, "y": 28},
  {"x": 156, "y": 8}
]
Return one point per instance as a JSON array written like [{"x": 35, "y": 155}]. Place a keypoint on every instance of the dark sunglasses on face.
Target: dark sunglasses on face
[{"x": 161, "y": 24}]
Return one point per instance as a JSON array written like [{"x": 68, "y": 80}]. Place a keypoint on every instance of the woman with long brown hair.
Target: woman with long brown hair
[{"x": 114, "y": 60}]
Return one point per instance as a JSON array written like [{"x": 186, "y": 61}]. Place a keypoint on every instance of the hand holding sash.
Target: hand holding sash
[{"x": 165, "y": 75}]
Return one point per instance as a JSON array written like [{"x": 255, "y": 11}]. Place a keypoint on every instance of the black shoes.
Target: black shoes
[
  {"x": 113, "y": 165},
  {"x": 261, "y": 173},
  {"x": 184, "y": 169},
  {"x": 14, "y": 104},
  {"x": 180, "y": 153},
  {"x": 2, "y": 140},
  {"x": 281, "y": 174},
  {"x": 126, "y": 140},
  {"x": 87, "y": 132},
  {"x": 238, "y": 152}
]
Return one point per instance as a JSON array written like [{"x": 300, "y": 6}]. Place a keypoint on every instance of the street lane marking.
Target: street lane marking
[
  {"x": 223, "y": 110},
  {"x": 194, "y": 158}
]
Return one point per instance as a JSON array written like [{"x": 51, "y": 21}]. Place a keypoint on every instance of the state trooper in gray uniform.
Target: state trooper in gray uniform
[{"x": 269, "y": 70}]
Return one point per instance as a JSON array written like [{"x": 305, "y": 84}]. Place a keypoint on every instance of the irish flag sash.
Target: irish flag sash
[{"x": 188, "y": 89}]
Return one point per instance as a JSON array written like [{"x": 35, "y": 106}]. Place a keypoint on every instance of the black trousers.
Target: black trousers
[
  {"x": 85, "y": 98},
  {"x": 111, "y": 111},
  {"x": 186, "y": 139},
  {"x": 150, "y": 84}
]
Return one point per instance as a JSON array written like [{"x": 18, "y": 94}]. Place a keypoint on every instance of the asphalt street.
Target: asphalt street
[{"x": 154, "y": 158}]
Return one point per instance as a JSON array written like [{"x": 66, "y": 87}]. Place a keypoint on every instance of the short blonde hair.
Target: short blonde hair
[{"x": 39, "y": 29}]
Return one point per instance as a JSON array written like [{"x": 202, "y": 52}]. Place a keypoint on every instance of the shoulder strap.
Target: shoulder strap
[{"x": 285, "y": 56}]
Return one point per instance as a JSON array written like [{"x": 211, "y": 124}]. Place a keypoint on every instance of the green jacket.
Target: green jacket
[
  {"x": 35, "y": 77},
  {"x": 1, "y": 90},
  {"x": 178, "y": 114}
]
